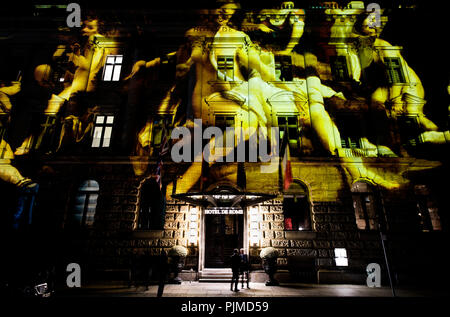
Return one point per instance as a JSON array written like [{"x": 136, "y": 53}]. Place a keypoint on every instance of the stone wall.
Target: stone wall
[{"x": 113, "y": 239}]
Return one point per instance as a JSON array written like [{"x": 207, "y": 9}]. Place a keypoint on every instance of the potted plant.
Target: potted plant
[
  {"x": 269, "y": 257},
  {"x": 177, "y": 256}
]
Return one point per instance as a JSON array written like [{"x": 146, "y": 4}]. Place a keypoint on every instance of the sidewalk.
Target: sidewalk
[{"x": 196, "y": 289}]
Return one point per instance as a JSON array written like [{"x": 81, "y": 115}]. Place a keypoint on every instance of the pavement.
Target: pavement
[{"x": 197, "y": 289}]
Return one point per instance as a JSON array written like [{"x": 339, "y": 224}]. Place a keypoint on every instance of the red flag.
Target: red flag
[
  {"x": 165, "y": 146},
  {"x": 287, "y": 171},
  {"x": 163, "y": 150}
]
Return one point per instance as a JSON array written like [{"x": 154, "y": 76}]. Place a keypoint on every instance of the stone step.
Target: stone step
[
  {"x": 216, "y": 276},
  {"x": 214, "y": 280}
]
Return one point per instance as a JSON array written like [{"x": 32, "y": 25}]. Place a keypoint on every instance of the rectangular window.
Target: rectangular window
[
  {"x": 409, "y": 130},
  {"x": 283, "y": 68},
  {"x": 225, "y": 68},
  {"x": 223, "y": 122},
  {"x": 351, "y": 131},
  {"x": 340, "y": 257},
  {"x": 159, "y": 124},
  {"x": 47, "y": 132},
  {"x": 350, "y": 142},
  {"x": 339, "y": 68},
  {"x": 113, "y": 66},
  {"x": 394, "y": 70},
  {"x": 102, "y": 131},
  {"x": 289, "y": 125}
]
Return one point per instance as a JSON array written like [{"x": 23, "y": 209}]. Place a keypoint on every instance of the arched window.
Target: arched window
[
  {"x": 365, "y": 206},
  {"x": 151, "y": 207},
  {"x": 86, "y": 203},
  {"x": 296, "y": 208}
]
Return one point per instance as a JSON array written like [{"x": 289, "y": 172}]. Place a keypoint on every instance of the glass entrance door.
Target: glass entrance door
[{"x": 223, "y": 233}]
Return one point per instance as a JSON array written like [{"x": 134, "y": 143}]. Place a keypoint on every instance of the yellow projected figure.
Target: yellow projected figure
[
  {"x": 87, "y": 60},
  {"x": 405, "y": 93},
  {"x": 235, "y": 72},
  {"x": 9, "y": 173}
]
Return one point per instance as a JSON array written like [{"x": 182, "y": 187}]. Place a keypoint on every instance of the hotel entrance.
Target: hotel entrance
[
  {"x": 223, "y": 233},
  {"x": 223, "y": 223}
]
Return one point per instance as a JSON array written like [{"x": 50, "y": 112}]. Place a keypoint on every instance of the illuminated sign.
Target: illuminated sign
[{"x": 224, "y": 211}]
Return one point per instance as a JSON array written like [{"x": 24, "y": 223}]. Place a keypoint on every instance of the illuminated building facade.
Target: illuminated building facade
[{"x": 91, "y": 120}]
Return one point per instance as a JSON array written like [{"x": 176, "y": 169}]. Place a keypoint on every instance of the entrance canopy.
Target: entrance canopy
[{"x": 224, "y": 197}]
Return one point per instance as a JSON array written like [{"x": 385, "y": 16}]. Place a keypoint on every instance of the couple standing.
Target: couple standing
[{"x": 239, "y": 266}]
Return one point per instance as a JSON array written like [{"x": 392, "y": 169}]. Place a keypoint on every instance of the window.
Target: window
[
  {"x": 409, "y": 130},
  {"x": 351, "y": 131},
  {"x": 225, "y": 65},
  {"x": 339, "y": 68},
  {"x": 47, "y": 132},
  {"x": 86, "y": 203},
  {"x": 159, "y": 124},
  {"x": 296, "y": 208},
  {"x": 102, "y": 131},
  {"x": 350, "y": 142},
  {"x": 340, "y": 257},
  {"x": 394, "y": 70},
  {"x": 113, "y": 65},
  {"x": 365, "y": 206},
  {"x": 151, "y": 212},
  {"x": 427, "y": 212},
  {"x": 289, "y": 125},
  {"x": 283, "y": 68},
  {"x": 223, "y": 122}
]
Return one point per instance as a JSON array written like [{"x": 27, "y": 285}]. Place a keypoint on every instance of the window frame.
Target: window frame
[
  {"x": 409, "y": 126},
  {"x": 340, "y": 74},
  {"x": 283, "y": 67},
  {"x": 103, "y": 128},
  {"x": 161, "y": 122},
  {"x": 394, "y": 68},
  {"x": 223, "y": 67},
  {"x": 223, "y": 128},
  {"x": 283, "y": 128},
  {"x": 116, "y": 68},
  {"x": 376, "y": 215}
]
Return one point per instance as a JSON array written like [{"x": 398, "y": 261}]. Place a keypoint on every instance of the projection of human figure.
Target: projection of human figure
[
  {"x": 9, "y": 173},
  {"x": 249, "y": 87},
  {"x": 406, "y": 98},
  {"x": 86, "y": 60},
  {"x": 255, "y": 87},
  {"x": 321, "y": 122}
]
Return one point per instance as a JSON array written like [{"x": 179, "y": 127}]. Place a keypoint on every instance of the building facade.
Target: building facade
[{"x": 297, "y": 128}]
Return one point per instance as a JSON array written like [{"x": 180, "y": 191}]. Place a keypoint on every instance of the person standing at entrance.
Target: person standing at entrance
[
  {"x": 244, "y": 268},
  {"x": 163, "y": 270},
  {"x": 235, "y": 267}
]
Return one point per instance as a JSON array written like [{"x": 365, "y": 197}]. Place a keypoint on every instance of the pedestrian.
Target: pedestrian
[
  {"x": 163, "y": 269},
  {"x": 245, "y": 267},
  {"x": 235, "y": 267}
]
